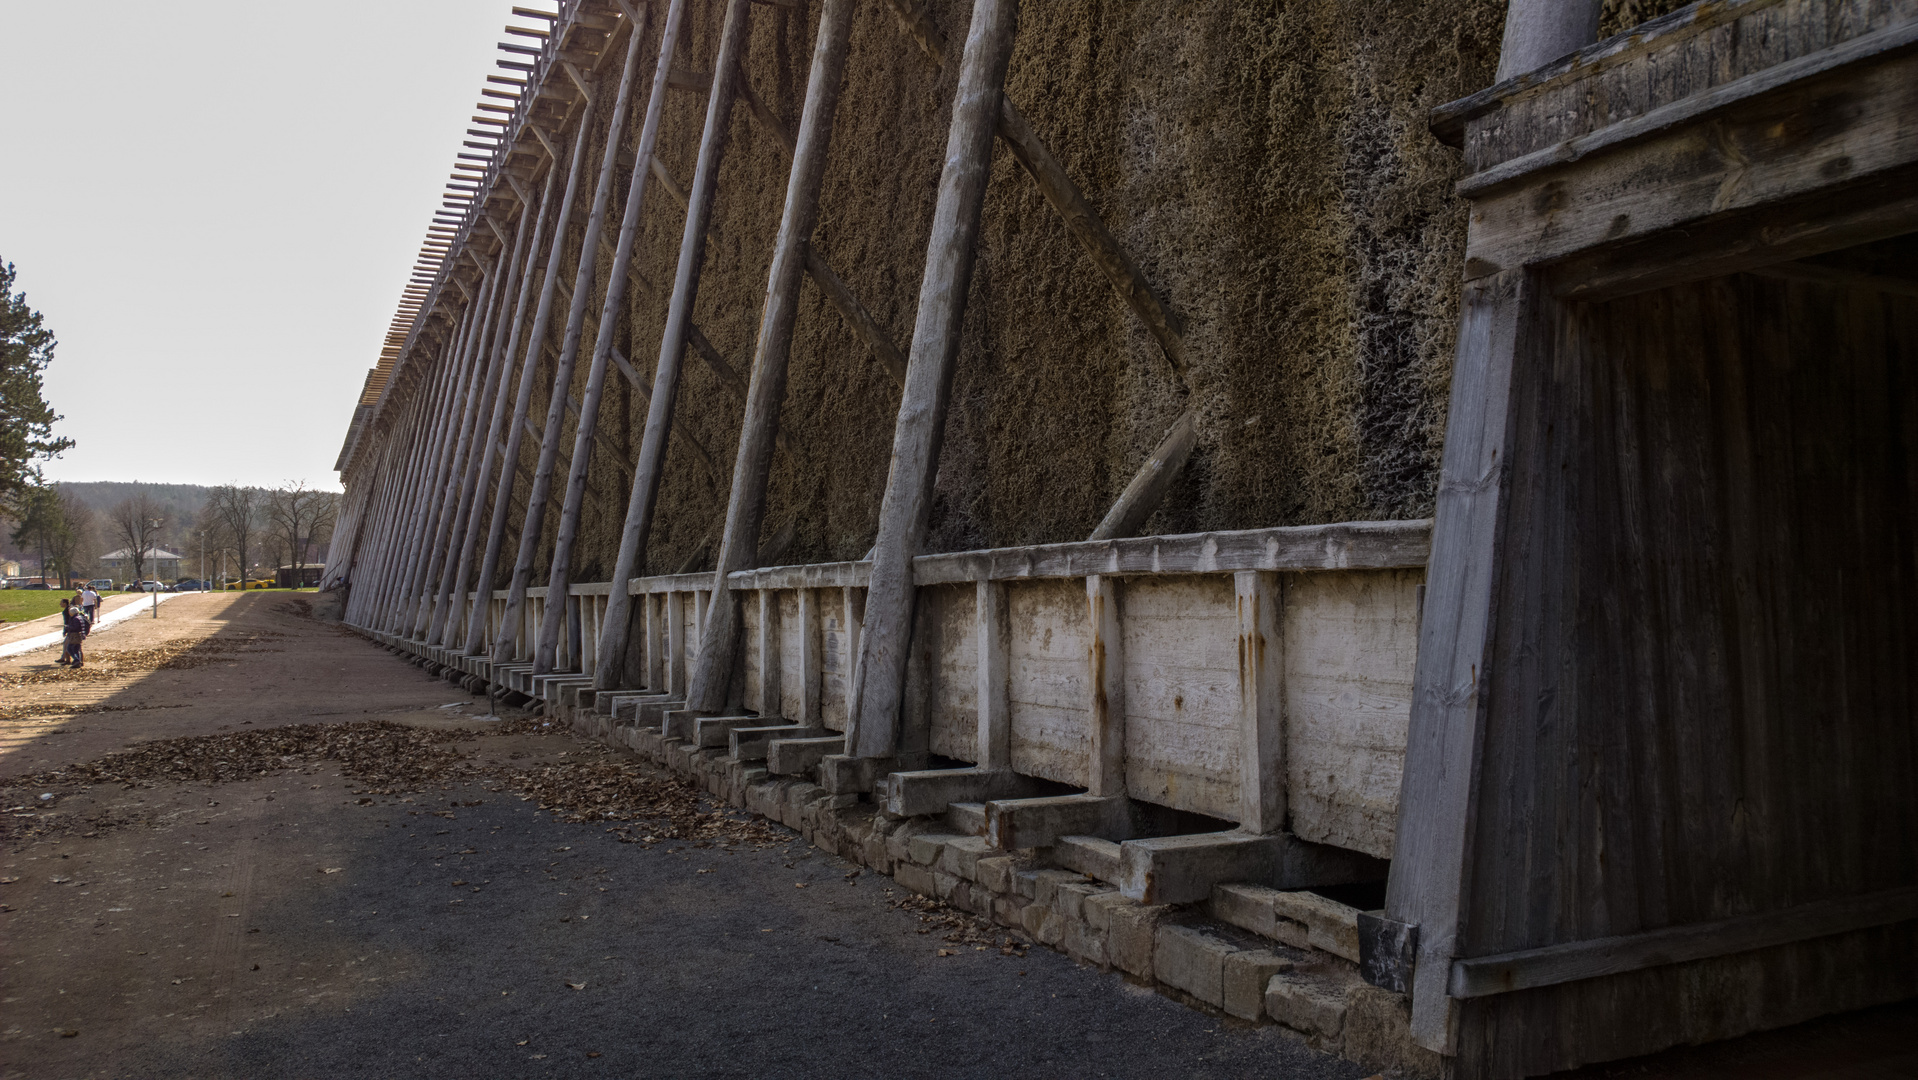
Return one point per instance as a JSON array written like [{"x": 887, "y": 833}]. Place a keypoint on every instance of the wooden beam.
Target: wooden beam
[
  {"x": 884, "y": 648},
  {"x": 1154, "y": 478}
]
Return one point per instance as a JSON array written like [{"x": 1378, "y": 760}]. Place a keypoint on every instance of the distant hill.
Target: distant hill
[{"x": 176, "y": 502}]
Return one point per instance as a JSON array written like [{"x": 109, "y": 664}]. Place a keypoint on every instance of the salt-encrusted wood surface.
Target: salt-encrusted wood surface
[
  {"x": 1350, "y": 644},
  {"x": 1180, "y": 644},
  {"x": 1047, "y": 673}
]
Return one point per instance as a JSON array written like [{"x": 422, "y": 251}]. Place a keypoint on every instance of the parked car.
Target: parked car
[
  {"x": 100, "y": 583},
  {"x": 41, "y": 585},
  {"x": 150, "y": 586},
  {"x": 189, "y": 585}
]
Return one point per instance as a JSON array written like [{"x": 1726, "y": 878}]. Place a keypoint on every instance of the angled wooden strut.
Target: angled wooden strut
[
  {"x": 659, "y": 413},
  {"x": 873, "y": 728},
  {"x": 531, "y": 528},
  {"x": 746, "y": 507},
  {"x": 560, "y": 577}
]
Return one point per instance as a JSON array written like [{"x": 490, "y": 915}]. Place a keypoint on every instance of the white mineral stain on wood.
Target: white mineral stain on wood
[
  {"x": 942, "y": 680},
  {"x": 1049, "y": 696},
  {"x": 835, "y": 659},
  {"x": 1182, "y": 693},
  {"x": 792, "y": 671},
  {"x": 1350, "y": 643}
]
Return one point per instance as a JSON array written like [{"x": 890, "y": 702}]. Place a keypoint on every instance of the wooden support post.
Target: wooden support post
[
  {"x": 767, "y": 647},
  {"x": 675, "y": 644},
  {"x": 532, "y": 529},
  {"x": 561, "y": 568},
  {"x": 1261, "y": 706},
  {"x": 1540, "y": 31},
  {"x": 1105, "y": 678},
  {"x": 994, "y": 630},
  {"x": 874, "y": 730},
  {"x": 812, "y": 669},
  {"x": 502, "y": 646},
  {"x": 1149, "y": 485},
  {"x": 654, "y": 611},
  {"x": 1431, "y": 849},
  {"x": 746, "y": 507},
  {"x": 659, "y": 412}
]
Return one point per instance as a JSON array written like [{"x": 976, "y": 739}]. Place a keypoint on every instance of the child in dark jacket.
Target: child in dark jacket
[{"x": 74, "y": 622}]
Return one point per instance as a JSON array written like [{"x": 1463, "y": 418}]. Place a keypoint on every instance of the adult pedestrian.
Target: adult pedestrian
[
  {"x": 74, "y": 622},
  {"x": 90, "y": 604}
]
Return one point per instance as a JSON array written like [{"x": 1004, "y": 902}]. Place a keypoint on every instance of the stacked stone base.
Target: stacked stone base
[{"x": 1256, "y": 954}]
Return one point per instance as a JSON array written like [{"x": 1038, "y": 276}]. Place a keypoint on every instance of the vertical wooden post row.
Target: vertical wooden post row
[
  {"x": 659, "y": 411},
  {"x": 746, "y": 506},
  {"x": 884, "y": 645}
]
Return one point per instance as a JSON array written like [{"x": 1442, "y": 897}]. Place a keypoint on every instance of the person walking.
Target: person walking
[
  {"x": 90, "y": 604},
  {"x": 74, "y": 622}
]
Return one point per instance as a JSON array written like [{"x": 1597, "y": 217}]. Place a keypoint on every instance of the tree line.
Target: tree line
[{"x": 67, "y": 533}]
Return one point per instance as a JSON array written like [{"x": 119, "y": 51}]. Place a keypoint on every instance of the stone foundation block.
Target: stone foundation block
[
  {"x": 915, "y": 877},
  {"x": 1309, "y": 1001},
  {"x": 1247, "y": 973},
  {"x": 1083, "y": 943},
  {"x": 1192, "y": 960},
  {"x": 1008, "y": 910},
  {"x": 926, "y": 848},
  {"x": 1378, "y": 1033},
  {"x": 1046, "y": 883},
  {"x": 962, "y": 854},
  {"x": 1069, "y": 898},
  {"x": 994, "y": 873},
  {"x": 1131, "y": 930}
]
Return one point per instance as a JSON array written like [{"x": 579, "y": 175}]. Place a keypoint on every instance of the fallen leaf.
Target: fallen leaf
[
  {"x": 592, "y": 1053},
  {"x": 577, "y": 986},
  {"x": 799, "y": 884},
  {"x": 331, "y": 869},
  {"x": 945, "y": 952},
  {"x": 68, "y": 1033}
]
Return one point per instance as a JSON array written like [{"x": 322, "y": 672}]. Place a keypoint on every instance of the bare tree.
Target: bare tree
[
  {"x": 299, "y": 516},
  {"x": 237, "y": 511},
  {"x": 134, "y": 522}
]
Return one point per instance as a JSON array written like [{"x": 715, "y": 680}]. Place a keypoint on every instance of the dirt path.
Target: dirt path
[
  {"x": 400, "y": 907},
  {"x": 322, "y": 872}
]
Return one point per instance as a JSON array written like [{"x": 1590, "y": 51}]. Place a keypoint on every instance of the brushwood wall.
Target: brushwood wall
[{"x": 1270, "y": 167}]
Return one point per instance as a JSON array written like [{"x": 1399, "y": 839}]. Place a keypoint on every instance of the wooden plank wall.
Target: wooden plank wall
[{"x": 1702, "y": 686}]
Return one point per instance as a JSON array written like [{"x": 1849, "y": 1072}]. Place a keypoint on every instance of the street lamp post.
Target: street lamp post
[{"x": 153, "y": 550}]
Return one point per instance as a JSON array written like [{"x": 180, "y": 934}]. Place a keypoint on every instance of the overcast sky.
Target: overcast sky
[{"x": 215, "y": 205}]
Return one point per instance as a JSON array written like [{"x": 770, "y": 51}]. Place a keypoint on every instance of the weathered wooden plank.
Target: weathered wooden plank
[
  {"x": 940, "y": 708},
  {"x": 1767, "y": 141},
  {"x": 1105, "y": 677},
  {"x": 1182, "y": 726},
  {"x": 1344, "y": 546},
  {"x": 1595, "y": 958},
  {"x": 1264, "y": 726},
  {"x": 1351, "y": 641},
  {"x": 1432, "y": 841},
  {"x": 1047, "y": 692},
  {"x": 992, "y": 632},
  {"x": 1148, "y": 487}
]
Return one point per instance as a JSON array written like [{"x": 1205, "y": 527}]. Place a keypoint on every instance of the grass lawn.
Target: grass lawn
[{"x": 20, "y": 605}]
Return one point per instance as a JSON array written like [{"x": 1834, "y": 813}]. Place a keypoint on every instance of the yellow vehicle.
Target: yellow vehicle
[{"x": 256, "y": 583}]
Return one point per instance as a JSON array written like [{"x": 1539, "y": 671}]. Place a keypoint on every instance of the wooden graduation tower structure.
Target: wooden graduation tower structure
[{"x": 1607, "y": 750}]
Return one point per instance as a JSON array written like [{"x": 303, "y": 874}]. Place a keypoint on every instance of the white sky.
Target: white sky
[{"x": 215, "y": 206}]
